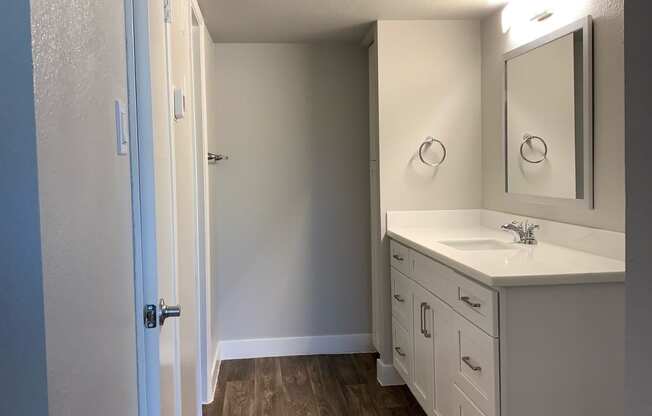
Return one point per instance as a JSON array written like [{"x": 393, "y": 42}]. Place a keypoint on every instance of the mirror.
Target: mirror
[{"x": 549, "y": 118}]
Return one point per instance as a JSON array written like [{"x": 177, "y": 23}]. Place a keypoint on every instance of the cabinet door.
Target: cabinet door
[
  {"x": 423, "y": 374},
  {"x": 445, "y": 355}
]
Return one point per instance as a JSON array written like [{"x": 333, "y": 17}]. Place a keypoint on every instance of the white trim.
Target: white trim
[
  {"x": 215, "y": 373},
  {"x": 136, "y": 208},
  {"x": 200, "y": 178},
  {"x": 278, "y": 347},
  {"x": 387, "y": 374}
]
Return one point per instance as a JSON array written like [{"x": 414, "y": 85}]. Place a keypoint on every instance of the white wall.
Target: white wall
[
  {"x": 23, "y": 385},
  {"x": 290, "y": 213},
  {"x": 638, "y": 99},
  {"x": 429, "y": 85},
  {"x": 609, "y": 139},
  {"x": 85, "y": 203},
  {"x": 211, "y": 98}
]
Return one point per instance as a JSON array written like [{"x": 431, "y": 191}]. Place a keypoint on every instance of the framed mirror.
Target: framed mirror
[{"x": 548, "y": 118}]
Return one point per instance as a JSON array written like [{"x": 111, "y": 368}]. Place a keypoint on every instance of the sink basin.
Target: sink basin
[{"x": 469, "y": 245}]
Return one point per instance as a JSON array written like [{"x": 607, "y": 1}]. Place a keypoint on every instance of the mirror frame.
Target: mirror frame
[{"x": 586, "y": 26}]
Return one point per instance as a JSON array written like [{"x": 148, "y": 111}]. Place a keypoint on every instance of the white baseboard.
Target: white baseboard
[
  {"x": 387, "y": 374},
  {"x": 215, "y": 372},
  {"x": 278, "y": 347}
]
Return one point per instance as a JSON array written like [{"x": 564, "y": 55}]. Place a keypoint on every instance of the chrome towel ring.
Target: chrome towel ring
[
  {"x": 427, "y": 143},
  {"x": 527, "y": 138}
]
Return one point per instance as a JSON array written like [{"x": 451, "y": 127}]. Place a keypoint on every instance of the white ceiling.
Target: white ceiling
[{"x": 324, "y": 20}]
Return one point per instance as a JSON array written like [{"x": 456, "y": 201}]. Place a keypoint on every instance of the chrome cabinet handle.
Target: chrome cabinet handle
[
  {"x": 398, "y": 257},
  {"x": 467, "y": 300},
  {"x": 399, "y": 298},
  {"x": 421, "y": 313},
  {"x": 399, "y": 351},
  {"x": 467, "y": 361},
  {"x": 426, "y": 333}
]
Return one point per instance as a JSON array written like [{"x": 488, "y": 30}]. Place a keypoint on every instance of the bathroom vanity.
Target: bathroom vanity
[{"x": 485, "y": 326}]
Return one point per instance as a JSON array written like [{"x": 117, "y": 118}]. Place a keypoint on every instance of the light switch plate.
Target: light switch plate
[{"x": 121, "y": 128}]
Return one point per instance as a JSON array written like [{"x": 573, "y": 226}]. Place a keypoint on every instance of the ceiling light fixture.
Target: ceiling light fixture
[{"x": 539, "y": 17}]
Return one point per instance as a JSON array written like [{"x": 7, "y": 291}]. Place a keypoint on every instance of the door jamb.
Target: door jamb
[{"x": 141, "y": 153}]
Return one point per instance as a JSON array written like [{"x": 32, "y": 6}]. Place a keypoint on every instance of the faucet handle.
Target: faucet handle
[{"x": 529, "y": 227}]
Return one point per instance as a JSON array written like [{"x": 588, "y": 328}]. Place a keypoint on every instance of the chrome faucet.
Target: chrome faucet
[{"x": 523, "y": 230}]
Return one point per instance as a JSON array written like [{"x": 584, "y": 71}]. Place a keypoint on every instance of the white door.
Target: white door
[{"x": 166, "y": 227}]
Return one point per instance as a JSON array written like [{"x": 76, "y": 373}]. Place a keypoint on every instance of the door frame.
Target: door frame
[
  {"x": 143, "y": 193},
  {"x": 202, "y": 216},
  {"x": 141, "y": 154}
]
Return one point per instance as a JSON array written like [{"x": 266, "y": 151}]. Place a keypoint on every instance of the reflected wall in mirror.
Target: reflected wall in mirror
[{"x": 549, "y": 118}]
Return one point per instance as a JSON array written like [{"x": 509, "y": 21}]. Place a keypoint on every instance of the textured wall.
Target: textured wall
[
  {"x": 23, "y": 387},
  {"x": 85, "y": 200},
  {"x": 290, "y": 207},
  {"x": 609, "y": 108}
]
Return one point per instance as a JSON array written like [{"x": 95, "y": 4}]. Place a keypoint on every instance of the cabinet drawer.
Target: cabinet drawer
[
  {"x": 402, "y": 350},
  {"x": 434, "y": 276},
  {"x": 476, "y": 366},
  {"x": 463, "y": 405},
  {"x": 401, "y": 298},
  {"x": 478, "y": 304},
  {"x": 400, "y": 257}
]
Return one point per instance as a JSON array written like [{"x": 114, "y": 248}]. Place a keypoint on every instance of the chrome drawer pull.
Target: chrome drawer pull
[
  {"x": 399, "y": 298},
  {"x": 426, "y": 308},
  {"x": 397, "y": 257},
  {"x": 399, "y": 352},
  {"x": 467, "y": 300},
  {"x": 467, "y": 361}
]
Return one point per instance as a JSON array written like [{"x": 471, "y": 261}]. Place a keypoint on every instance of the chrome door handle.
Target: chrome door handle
[
  {"x": 168, "y": 311},
  {"x": 467, "y": 300},
  {"x": 399, "y": 351},
  {"x": 397, "y": 257},
  {"x": 425, "y": 321},
  {"x": 467, "y": 361},
  {"x": 399, "y": 298}
]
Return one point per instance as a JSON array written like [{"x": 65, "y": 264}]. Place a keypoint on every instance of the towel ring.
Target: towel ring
[
  {"x": 427, "y": 143},
  {"x": 528, "y": 138}
]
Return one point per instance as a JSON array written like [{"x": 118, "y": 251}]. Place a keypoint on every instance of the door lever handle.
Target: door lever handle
[{"x": 168, "y": 311}]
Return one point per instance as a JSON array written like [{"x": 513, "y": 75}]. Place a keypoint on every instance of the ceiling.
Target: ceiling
[{"x": 324, "y": 20}]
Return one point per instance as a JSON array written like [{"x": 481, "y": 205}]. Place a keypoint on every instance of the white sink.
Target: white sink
[{"x": 470, "y": 245}]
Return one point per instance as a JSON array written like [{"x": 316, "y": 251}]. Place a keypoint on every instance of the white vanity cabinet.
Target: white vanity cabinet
[
  {"x": 444, "y": 349},
  {"x": 539, "y": 348}
]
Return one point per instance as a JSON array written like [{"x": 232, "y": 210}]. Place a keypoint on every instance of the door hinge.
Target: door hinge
[
  {"x": 149, "y": 316},
  {"x": 167, "y": 11}
]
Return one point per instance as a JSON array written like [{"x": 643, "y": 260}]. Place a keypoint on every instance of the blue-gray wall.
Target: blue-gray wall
[
  {"x": 638, "y": 111},
  {"x": 23, "y": 386}
]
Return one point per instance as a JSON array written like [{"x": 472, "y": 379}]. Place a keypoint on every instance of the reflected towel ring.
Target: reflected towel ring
[
  {"x": 427, "y": 143},
  {"x": 527, "y": 138}
]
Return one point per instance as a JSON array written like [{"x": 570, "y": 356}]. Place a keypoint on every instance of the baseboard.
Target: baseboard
[
  {"x": 278, "y": 347},
  {"x": 387, "y": 374},
  {"x": 215, "y": 372}
]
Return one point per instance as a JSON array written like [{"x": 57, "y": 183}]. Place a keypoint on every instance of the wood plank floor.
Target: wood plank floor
[{"x": 315, "y": 385}]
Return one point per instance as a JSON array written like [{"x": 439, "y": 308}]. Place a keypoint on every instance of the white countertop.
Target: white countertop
[{"x": 541, "y": 264}]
